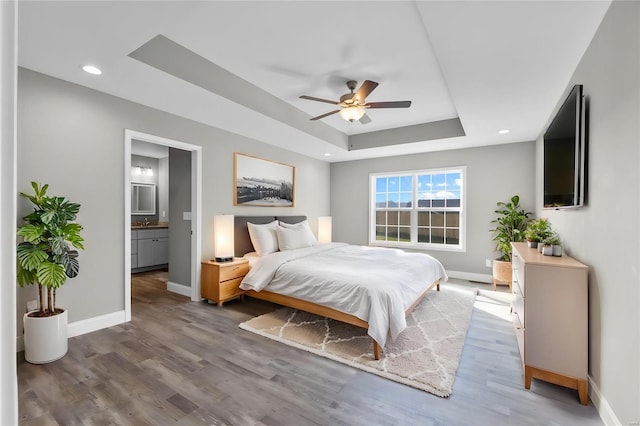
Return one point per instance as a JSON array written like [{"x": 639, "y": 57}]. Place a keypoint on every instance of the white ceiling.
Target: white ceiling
[{"x": 495, "y": 65}]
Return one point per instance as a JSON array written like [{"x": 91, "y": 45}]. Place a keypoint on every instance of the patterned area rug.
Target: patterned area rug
[{"x": 425, "y": 355}]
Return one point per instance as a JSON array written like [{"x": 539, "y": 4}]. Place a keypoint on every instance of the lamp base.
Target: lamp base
[{"x": 223, "y": 259}]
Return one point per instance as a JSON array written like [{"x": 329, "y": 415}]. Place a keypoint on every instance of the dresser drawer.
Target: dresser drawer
[
  {"x": 518, "y": 308},
  {"x": 517, "y": 265},
  {"x": 233, "y": 271},
  {"x": 230, "y": 289}
]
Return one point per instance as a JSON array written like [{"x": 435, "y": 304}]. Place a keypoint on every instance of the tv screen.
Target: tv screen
[{"x": 564, "y": 154}]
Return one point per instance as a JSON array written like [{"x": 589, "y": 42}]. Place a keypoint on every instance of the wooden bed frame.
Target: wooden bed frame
[{"x": 242, "y": 244}]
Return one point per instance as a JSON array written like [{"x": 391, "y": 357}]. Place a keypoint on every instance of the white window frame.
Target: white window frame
[{"x": 460, "y": 247}]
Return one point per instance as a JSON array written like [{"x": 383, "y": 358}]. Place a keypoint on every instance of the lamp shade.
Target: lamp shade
[
  {"x": 223, "y": 237},
  {"x": 352, "y": 113},
  {"x": 324, "y": 229}
]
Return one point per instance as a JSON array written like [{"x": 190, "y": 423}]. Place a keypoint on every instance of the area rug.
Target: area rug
[{"x": 425, "y": 355}]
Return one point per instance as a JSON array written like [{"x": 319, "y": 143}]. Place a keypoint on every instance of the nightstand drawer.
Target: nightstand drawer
[
  {"x": 230, "y": 289},
  {"x": 233, "y": 271}
]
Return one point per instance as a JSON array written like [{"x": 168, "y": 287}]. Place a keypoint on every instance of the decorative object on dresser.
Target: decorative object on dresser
[
  {"x": 425, "y": 355},
  {"x": 537, "y": 230},
  {"x": 550, "y": 317},
  {"x": 263, "y": 183},
  {"x": 551, "y": 246},
  {"x": 510, "y": 226},
  {"x": 221, "y": 281},
  {"x": 47, "y": 256}
]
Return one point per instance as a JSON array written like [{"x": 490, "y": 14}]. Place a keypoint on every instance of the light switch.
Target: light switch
[{"x": 186, "y": 215}]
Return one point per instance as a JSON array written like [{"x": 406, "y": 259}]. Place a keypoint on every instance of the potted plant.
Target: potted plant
[
  {"x": 510, "y": 226},
  {"x": 537, "y": 230},
  {"x": 551, "y": 245},
  {"x": 47, "y": 256}
]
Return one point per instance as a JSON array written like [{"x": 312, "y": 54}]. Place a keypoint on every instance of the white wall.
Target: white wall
[
  {"x": 85, "y": 129},
  {"x": 494, "y": 173},
  {"x": 8, "y": 84},
  {"x": 605, "y": 234}
]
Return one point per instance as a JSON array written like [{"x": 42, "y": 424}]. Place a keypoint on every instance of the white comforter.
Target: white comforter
[{"x": 374, "y": 284}]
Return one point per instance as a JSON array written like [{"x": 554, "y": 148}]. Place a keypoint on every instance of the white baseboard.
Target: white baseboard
[
  {"x": 179, "y": 288},
  {"x": 604, "y": 409},
  {"x": 96, "y": 323},
  {"x": 88, "y": 325},
  {"x": 482, "y": 278}
]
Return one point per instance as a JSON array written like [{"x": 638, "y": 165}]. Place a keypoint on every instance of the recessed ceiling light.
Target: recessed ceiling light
[
  {"x": 92, "y": 69},
  {"x": 327, "y": 154},
  {"x": 504, "y": 131}
]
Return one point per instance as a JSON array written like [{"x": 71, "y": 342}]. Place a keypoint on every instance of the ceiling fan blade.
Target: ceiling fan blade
[
  {"x": 325, "y": 115},
  {"x": 311, "y": 98},
  {"x": 391, "y": 104},
  {"x": 364, "y": 90},
  {"x": 365, "y": 119}
]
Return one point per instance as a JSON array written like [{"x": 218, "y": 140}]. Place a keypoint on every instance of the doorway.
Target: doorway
[{"x": 194, "y": 214}]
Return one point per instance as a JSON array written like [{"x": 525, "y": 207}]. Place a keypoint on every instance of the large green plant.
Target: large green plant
[
  {"x": 510, "y": 226},
  {"x": 47, "y": 256}
]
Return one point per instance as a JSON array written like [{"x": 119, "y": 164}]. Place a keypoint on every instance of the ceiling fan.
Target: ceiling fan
[{"x": 353, "y": 105}]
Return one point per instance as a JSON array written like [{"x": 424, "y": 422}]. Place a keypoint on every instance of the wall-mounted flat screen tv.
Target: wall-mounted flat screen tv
[{"x": 564, "y": 154}]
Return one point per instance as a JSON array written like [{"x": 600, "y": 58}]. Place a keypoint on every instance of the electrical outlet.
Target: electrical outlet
[
  {"x": 32, "y": 305},
  {"x": 488, "y": 263}
]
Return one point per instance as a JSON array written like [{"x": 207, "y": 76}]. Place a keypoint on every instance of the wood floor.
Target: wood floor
[{"x": 188, "y": 363}]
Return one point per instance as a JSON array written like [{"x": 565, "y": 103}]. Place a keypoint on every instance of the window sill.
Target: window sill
[{"x": 420, "y": 247}]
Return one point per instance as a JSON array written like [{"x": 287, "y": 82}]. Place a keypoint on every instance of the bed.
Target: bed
[{"x": 340, "y": 281}]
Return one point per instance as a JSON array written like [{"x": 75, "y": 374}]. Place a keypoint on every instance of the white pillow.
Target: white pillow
[
  {"x": 263, "y": 237},
  {"x": 304, "y": 225},
  {"x": 292, "y": 238}
]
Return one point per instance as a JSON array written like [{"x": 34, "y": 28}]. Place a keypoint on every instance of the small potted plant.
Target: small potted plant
[
  {"x": 537, "y": 230},
  {"x": 47, "y": 256},
  {"x": 551, "y": 246},
  {"x": 509, "y": 227}
]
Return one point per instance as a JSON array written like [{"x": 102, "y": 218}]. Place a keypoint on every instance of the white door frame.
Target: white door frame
[{"x": 196, "y": 217}]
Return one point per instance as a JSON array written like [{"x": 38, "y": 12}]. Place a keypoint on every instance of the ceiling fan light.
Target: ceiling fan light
[{"x": 352, "y": 113}]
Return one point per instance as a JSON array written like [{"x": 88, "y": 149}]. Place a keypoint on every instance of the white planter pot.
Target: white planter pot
[
  {"x": 45, "y": 339},
  {"x": 557, "y": 250},
  {"x": 547, "y": 250}
]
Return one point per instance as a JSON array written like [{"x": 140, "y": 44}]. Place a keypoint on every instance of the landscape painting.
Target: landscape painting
[{"x": 262, "y": 183}]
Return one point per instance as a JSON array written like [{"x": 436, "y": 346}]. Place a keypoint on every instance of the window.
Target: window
[{"x": 419, "y": 209}]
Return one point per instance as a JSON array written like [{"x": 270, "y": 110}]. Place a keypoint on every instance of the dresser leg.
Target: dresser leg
[
  {"x": 528, "y": 375},
  {"x": 582, "y": 392}
]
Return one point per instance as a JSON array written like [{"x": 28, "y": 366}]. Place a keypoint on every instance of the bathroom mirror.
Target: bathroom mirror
[{"x": 143, "y": 198}]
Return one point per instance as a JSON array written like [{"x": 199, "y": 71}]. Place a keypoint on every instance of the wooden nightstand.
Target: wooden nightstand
[{"x": 220, "y": 281}]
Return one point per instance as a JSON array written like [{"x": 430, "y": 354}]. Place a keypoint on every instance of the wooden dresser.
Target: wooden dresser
[
  {"x": 550, "y": 316},
  {"x": 220, "y": 281}
]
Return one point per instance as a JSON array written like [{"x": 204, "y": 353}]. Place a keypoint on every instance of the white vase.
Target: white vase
[
  {"x": 45, "y": 338},
  {"x": 557, "y": 250},
  {"x": 547, "y": 250}
]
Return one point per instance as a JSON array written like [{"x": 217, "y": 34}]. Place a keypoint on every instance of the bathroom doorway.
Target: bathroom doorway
[{"x": 177, "y": 223}]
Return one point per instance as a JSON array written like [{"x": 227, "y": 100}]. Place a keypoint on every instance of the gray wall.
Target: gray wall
[
  {"x": 494, "y": 173},
  {"x": 84, "y": 129},
  {"x": 605, "y": 234},
  {"x": 179, "y": 229}
]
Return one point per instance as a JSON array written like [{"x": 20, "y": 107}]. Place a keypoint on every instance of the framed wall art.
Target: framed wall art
[{"x": 262, "y": 183}]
